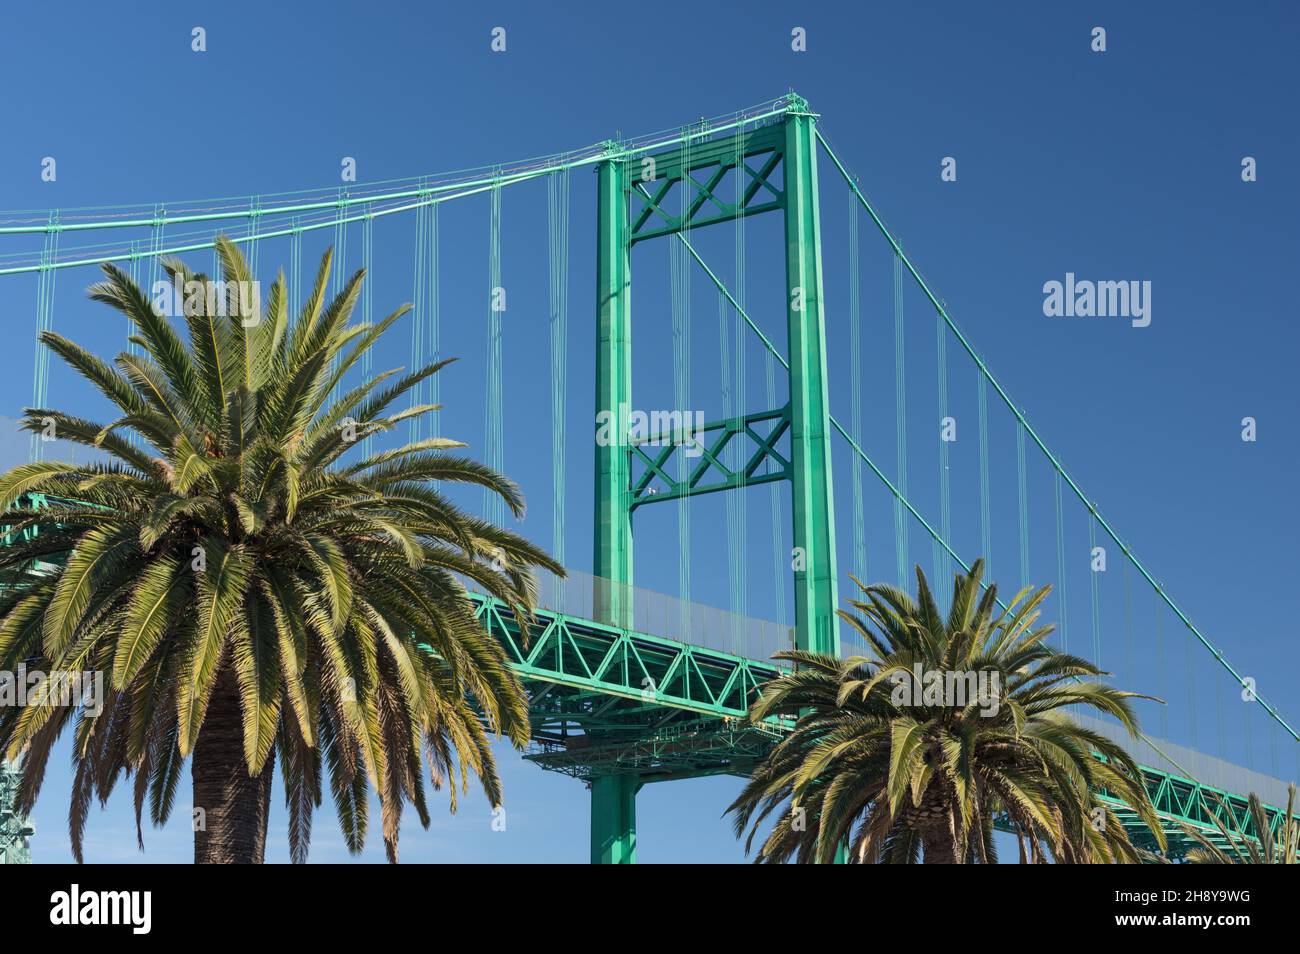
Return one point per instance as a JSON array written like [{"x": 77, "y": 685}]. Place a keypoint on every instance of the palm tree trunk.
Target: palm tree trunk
[
  {"x": 936, "y": 841},
  {"x": 230, "y": 807}
]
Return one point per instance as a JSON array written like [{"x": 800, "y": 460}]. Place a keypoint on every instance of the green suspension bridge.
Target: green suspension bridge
[{"x": 630, "y": 686}]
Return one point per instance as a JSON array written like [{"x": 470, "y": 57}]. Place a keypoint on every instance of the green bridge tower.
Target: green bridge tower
[{"x": 752, "y": 156}]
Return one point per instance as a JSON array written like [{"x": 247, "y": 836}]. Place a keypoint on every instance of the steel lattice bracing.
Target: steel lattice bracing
[
  {"x": 647, "y": 672},
  {"x": 708, "y": 165},
  {"x": 764, "y": 460},
  {"x": 607, "y": 700}
]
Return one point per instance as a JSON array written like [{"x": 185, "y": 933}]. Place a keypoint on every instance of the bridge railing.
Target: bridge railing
[
  {"x": 646, "y": 611},
  {"x": 1179, "y": 760}
]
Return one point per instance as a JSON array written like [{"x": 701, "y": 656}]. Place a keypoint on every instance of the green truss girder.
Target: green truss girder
[
  {"x": 764, "y": 463},
  {"x": 648, "y": 707},
  {"x": 1182, "y": 801},
  {"x": 706, "y": 170},
  {"x": 609, "y": 660},
  {"x": 691, "y": 723}
]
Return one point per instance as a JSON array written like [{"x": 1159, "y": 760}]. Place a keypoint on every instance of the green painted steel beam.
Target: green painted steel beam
[
  {"x": 613, "y": 516},
  {"x": 613, "y": 803},
  {"x": 613, "y": 819},
  {"x": 612, "y": 660},
  {"x": 764, "y": 463},
  {"x": 816, "y": 590},
  {"x": 706, "y": 168}
]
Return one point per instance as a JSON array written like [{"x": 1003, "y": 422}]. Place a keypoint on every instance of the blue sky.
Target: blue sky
[{"x": 1122, "y": 165}]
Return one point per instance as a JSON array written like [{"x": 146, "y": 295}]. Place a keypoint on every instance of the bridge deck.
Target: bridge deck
[{"x": 611, "y": 700}]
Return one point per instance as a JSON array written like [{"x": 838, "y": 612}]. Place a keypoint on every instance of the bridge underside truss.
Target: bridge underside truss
[
  {"x": 1181, "y": 801},
  {"x": 609, "y": 701}
]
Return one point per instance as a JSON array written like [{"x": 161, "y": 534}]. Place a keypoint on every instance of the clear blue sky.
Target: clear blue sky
[{"x": 1117, "y": 165}]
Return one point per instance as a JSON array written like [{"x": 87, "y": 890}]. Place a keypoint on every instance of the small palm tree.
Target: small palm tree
[
  {"x": 885, "y": 761},
  {"x": 1280, "y": 847},
  {"x": 252, "y": 594}
]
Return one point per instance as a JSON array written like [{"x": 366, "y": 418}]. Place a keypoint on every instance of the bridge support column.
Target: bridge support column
[
  {"x": 613, "y": 517},
  {"x": 816, "y": 591},
  {"x": 613, "y": 819}
]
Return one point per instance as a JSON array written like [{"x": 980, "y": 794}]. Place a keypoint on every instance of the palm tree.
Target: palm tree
[
  {"x": 890, "y": 761},
  {"x": 1281, "y": 847},
  {"x": 254, "y": 594}
]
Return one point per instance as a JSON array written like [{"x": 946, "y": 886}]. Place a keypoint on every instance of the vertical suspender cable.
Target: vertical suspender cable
[
  {"x": 1061, "y": 563},
  {"x": 1218, "y": 720},
  {"x": 900, "y": 425},
  {"x": 254, "y": 246},
  {"x": 1162, "y": 668},
  {"x": 781, "y": 579},
  {"x": 494, "y": 506},
  {"x": 1272, "y": 748},
  {"x": 1130, "y": 671},
  {"x": 45, "y": 282},
  {"x": 157, "y": 235},
  {"x": 729, "y": 459},
  {"x": 1191, "y": 691},
  {"x": 367, "y": 289},
  {"x": 941, "y": 564},
  {"x": 295, "y": 266},
  {"x": 740, "y": 449},
  {"x": 131, "y": 436},
  {"x": 1022, "y": 494},
  {"x": 557, "y": 208},
  {"x": 433, "y": 323},
  {"x": 415, "y": 424},
  {"x": 1094, "y": 590},
  {"x": 680, "y": 280},
  {"x": 157, "y": 240},
  {"x": 339, "y": 264},
  {"x": 133, "y": 269},
  {"x": 986, "y": 515},
  {"x": 855, "y": 391},
  {"x": 131, "y": 346},
  {"x": 780, "y": 567}
]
